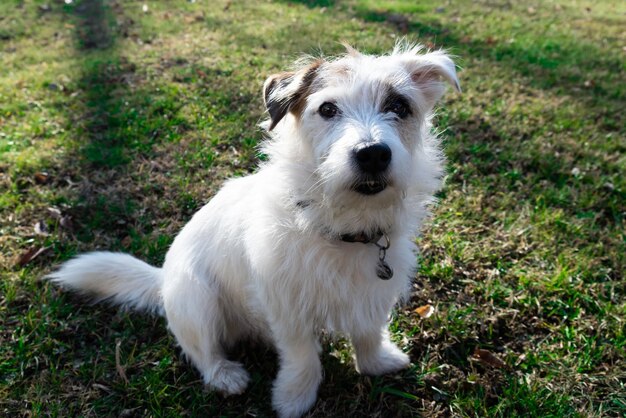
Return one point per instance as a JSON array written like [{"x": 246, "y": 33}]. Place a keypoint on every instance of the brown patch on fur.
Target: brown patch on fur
[
  {"x": 272, "y": 83},
  {"x": 305, "y": 89},
  {"x": 276, "y": 107},
  {"x": 294, "y": 102}
]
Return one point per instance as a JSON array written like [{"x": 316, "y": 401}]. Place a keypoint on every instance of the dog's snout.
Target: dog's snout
[{"x": 373, "y": 158}]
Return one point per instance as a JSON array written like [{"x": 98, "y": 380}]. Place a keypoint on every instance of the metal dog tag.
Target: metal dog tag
[{"x": 383, "y": 270}]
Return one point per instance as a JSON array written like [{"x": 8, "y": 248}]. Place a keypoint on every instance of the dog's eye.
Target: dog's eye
[
  {"x": 398, "y": 106},
  {"x": 328, "y": 110}
]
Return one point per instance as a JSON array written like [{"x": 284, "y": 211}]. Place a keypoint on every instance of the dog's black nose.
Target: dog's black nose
[{"x": 374, "y": 158}]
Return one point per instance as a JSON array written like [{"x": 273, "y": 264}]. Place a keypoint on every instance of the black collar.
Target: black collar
[{"x": 363, "y": 237}]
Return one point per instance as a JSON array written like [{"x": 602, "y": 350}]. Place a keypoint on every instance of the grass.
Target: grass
[{"x": 117, "y": 124}]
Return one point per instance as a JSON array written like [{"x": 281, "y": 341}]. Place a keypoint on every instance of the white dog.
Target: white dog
[{"x": 320, "y": 238}]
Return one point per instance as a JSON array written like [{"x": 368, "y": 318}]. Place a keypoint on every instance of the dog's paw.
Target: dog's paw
[
  {"x": 388, "y": 359},
  {"x": 228, "y": 378},
  {"x": 293, "y": 397},
  {"x": 292, "y": 403}
]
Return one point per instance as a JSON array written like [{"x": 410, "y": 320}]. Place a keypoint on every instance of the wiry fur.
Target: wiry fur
[{"x": 264, "y": 257}]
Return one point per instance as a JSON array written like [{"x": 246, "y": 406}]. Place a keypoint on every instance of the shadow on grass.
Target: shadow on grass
[
  {"x": 314, "y": 3},
  {"x": 102, "y": 77},
  {"x": 117, "y": 120}
]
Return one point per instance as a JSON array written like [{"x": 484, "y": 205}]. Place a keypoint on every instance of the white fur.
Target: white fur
[{"x": 264, "y": 258}]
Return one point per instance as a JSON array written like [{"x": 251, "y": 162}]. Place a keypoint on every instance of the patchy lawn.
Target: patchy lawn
[{"x": 119, "y": 120}]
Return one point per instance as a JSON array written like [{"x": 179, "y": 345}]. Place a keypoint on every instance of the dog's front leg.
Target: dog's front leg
[
  {"x": 300, "y": 373},
  {"x": 376, "y": 354}
]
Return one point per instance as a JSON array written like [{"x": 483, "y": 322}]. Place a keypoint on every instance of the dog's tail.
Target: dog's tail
[{"x": 120, "y": 278}]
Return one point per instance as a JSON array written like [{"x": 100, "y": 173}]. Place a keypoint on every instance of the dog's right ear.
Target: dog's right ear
[
  {"x": 275, "y": 96},
  {"x": 287, "y": 92}
]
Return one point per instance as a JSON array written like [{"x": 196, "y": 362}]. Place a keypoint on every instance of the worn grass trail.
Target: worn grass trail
[{"x": 118, "y": 121}]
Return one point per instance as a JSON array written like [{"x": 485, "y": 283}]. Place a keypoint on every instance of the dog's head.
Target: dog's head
[{"x": 361, "y": 123}]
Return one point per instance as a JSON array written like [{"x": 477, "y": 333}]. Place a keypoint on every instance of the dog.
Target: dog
[{"x": 320, "y": 238}]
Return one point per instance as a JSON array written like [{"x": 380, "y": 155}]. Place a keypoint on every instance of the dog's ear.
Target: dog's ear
[
  {"x": 287, "y": 92},
  {"x": 428, "y": 72}
]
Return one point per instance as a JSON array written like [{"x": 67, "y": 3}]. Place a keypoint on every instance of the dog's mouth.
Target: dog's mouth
[{"x": 370, "y": 187}]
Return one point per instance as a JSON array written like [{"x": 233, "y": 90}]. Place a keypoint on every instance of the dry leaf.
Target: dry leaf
[
  {"x": 425, "y": 311},
  {"x": 42, "y": 177},
  {"x": 30, "y": 254},
  {"x": 487, "y": 358},
  {"x": 126, "y": 241}
]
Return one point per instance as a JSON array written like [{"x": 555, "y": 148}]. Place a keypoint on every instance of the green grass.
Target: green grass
[{"x": 136, "y": 118}]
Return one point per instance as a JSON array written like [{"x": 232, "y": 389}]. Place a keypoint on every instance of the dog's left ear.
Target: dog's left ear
[
  {"x": 429, "y": 71},
  {"x": 287, "y": 92}
]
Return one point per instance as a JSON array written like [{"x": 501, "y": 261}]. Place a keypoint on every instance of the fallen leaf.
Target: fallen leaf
[
  {"x": 42, "y": 177},
  {"x": 30, "y": 254},
  {"x": 126, "y": 241},
  {"x": 425, "y": 311},
  {"x": 487, "y": 358}
]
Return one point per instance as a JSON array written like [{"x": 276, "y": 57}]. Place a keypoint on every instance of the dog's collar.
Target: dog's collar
[
  {"x": 383, "y": 269},
  {"x": 362, "y": 237}
]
